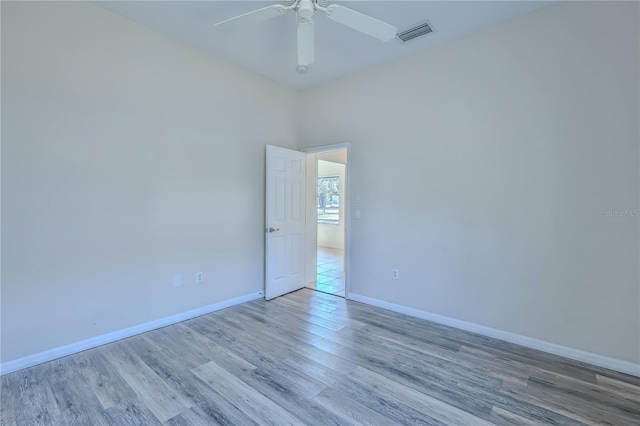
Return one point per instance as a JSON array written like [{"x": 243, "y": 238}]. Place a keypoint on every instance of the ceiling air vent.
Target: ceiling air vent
[{"x": 417, "y": 30}]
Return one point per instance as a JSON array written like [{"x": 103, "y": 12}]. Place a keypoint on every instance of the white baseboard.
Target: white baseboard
[
  {"x": 50, "y": 355},
  {"x": 575, "y": 354}
]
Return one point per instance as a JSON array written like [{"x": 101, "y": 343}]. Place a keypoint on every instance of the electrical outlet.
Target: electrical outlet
[
  {"x": 395, "y": 274},
  {"x": 199, "y": 277},
  {"x": 177, "y": 280}
]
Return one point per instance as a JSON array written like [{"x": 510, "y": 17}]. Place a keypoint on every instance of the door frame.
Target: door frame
[{"x": 347, "y": 217}]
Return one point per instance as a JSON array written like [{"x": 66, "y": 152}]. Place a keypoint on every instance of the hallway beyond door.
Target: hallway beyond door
[{"x": 330, "y": 272}]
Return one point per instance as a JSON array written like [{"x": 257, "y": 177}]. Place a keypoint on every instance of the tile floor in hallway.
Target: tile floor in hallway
[{"x": 330, "y": 278}]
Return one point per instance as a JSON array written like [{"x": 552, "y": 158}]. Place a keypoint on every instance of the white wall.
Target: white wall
[
  {"x": 501, "y": 153},
  {"x": 332, "y": 236},
  {"x": 126, "y": 159}
]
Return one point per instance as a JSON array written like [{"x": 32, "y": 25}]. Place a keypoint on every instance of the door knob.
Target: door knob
[{"x": 273, "y": 229}]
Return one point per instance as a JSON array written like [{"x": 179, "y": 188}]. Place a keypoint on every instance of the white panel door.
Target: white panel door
[{"x": 285, "y": 221}]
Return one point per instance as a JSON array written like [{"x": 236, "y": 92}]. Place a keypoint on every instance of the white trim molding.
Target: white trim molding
[
  {"x": 552, "y": 348},
  {"x": 94, "y": 342}
]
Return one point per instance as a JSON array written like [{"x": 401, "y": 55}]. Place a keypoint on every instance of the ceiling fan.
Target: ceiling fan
[{"x": 305, "y": 10}]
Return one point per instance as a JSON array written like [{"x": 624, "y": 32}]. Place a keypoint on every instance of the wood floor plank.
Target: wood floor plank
[
  {"x": 304, "y": 385},
  {"x": 326, "y": 375},
  {"x": 444, "y": 384},
  {"x": 321, "y": 310},
  {"x": 7, "y": 413},
  {"x": 310, "y": 358},
  {"x": 579, "y": 414},
  {"x": 31, "y": 398},
  {"x": 315, "y": 318},
  {"x": 538, "y": 359},
  {"x": 375, "y": 315},
  {"x": 355, "y": 354},
  {"x": 77, "y": 403},
  {"x": 295, "y": 380},
  {"x": 434, "y": 407},
  {"x": 163, "y": 401},
  {"x": 279, "y": 389},
  {"x": 306, "y": 304},
  {"x": 349, "y": 410},
  {"x": 502, "y": 417},
  {"x": 105, "y": 382},
  {"x": 474, "y": 398},
  {"x": 620, "y": 387},
  {"x": 438, "y": 367},
  {"x": 194, "y": 416},
  {"x": 510, "y": 371},
  {"x": 280, "y": 319},
  {"x": 276, "y": 328},
  {"x": 598, "y": 407},
  {"x": 420, "y": 343},
  {"x": 382, "y": 402},
  {"x": 467, "y": 396},
  {"x": 194, "y": 348},
  {"x": 131, "y": 412},
  {"x": 406, "y": 330},
  {"x": 302, "y": 346},
  {"x": 253, "y": 403},
  {"x": 208, "y": 403},
  {"x": 626, "y": 402},
  {"x": 242, "y": 342},
  {"x": 326, "y": 359}
]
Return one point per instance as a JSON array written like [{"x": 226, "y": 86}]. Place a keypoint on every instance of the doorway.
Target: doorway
[{"x": 327, "y": 221}]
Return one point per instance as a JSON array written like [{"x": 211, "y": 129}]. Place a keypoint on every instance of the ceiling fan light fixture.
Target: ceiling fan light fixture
[{"x": 302, "y": 69}]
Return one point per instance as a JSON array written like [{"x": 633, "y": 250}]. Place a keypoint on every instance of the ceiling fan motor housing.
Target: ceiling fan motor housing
[{"x": 306, "y": 9}]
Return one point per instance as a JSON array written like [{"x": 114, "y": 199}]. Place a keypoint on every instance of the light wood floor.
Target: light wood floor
[{"x": 312, "y": 358}]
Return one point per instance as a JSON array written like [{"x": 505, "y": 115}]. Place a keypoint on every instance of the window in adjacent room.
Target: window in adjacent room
[{"x": 329, "y": 200}]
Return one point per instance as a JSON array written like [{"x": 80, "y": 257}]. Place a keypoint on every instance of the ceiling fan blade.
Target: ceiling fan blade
[
  {"x": 361, "y": 22},
  {"x": 306, "y": 42},
  {"x": 251, "y": 17}
]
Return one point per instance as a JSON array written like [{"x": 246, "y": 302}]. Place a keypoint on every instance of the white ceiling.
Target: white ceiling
[{"x": 269, "y": 48}]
